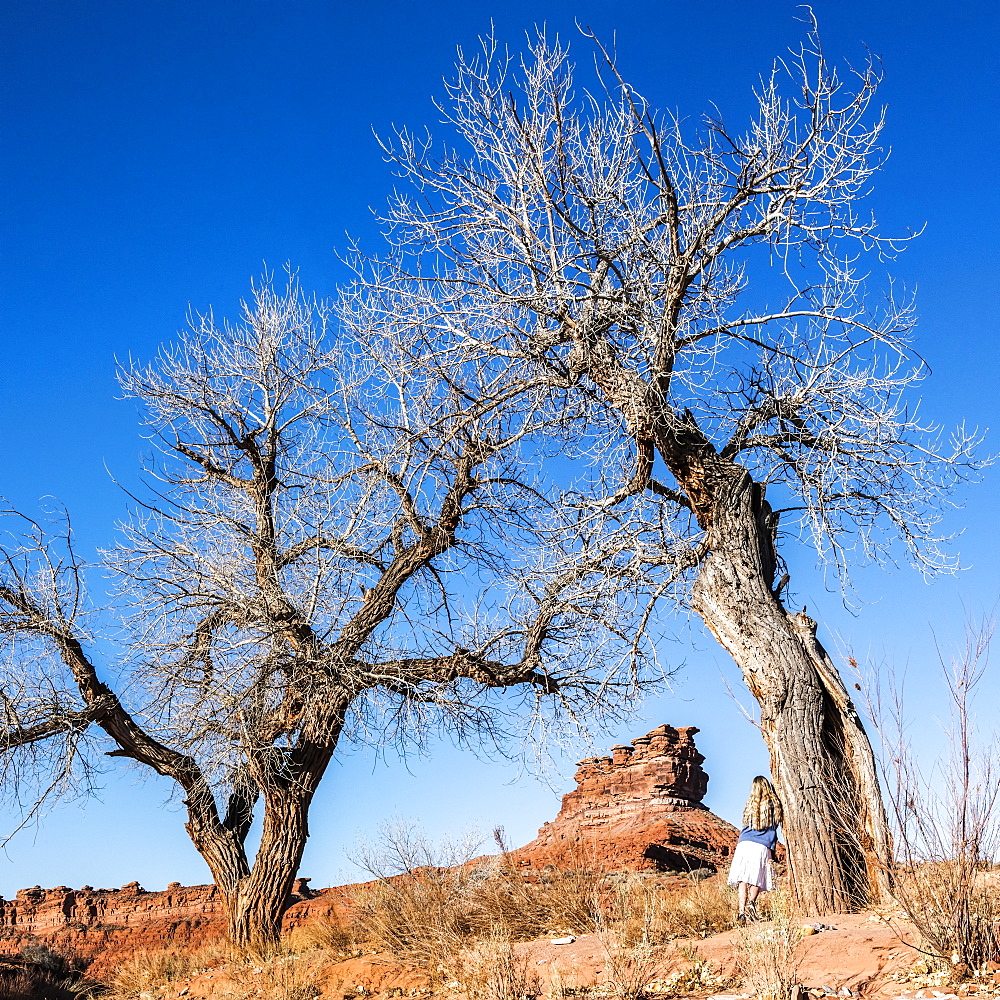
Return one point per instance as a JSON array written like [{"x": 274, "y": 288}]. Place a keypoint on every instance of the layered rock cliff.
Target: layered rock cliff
[{"x": 640, "y": 807}]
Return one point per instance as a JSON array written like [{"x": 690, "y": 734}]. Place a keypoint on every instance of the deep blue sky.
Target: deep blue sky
[{"x": 156, "y": 153}]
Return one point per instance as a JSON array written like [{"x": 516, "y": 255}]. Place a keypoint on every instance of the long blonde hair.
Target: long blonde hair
[{"x": 763, "y": 808}]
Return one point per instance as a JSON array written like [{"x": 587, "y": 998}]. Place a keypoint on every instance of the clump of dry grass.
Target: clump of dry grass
[
  {"x": 40, "y": 973},
  {"x": 629, "y": 965},
  {"x": 697, "y": 976},
  {"x": 489, "y": 969},
  {"x": 144, "y": 971},
  {"x": 422, "y": 915},
  {"x": 285, "y": 977},
  {"x": 766, "y": 953},
  {"x": 648, "y": 909},
  {"x": 328, "y": 935},
  {"x": 956, "y": 909}
]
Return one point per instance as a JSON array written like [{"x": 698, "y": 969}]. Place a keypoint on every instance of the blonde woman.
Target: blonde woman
[{"x": 751, "y": 867}]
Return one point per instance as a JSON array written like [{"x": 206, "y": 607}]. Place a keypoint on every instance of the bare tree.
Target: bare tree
[
  {"x": 337, "y": 543},
  {"x": 696, "y": 296}
]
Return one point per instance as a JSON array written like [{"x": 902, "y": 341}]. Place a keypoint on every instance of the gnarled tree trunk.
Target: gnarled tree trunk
[
  {"x": 821, "y": 759},
  {"x": 256, "y": 897}
]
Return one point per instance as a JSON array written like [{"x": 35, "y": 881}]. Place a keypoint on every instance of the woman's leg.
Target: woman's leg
[
  {"x": 753, "y": 891},
  {"x": 742, "y": 889}
]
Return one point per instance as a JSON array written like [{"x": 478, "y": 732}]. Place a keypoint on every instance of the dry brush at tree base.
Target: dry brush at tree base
[
  {"x": 947, "y": 818},
  {"x": 694, "y": 300}
]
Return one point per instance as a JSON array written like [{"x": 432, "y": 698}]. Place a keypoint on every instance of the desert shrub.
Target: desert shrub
[
  {"x": 328, "y": 935},
  {"x": 956, "y": 910},
  {"x": 144, "y": 971},
  {"x": 697, "y": 976},
  {"x": 423, "y": 915},
  {"x": 767, "y": 953},
  {"x": 629, "y": 964},
  {"x": 648, "y": 909},
  {"x": 526, "y": 905},
  {"x": 429, "y": 902},
  {"x": 38, "y": 972},
  {"x": 946, "y": 818},
  {"x": 430, "y": 912},
  {"x": 489, "y": 969},
  {"x": 282, "y": 977}
]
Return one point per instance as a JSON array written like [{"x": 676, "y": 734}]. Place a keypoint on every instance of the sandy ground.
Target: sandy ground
[{"x": 858, "y": 957}]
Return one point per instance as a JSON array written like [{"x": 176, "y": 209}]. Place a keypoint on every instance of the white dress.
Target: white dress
[{"x": 752, "y": 864}]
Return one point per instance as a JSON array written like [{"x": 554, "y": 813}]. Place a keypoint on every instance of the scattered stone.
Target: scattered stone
[{"x": 563, "y": 940}]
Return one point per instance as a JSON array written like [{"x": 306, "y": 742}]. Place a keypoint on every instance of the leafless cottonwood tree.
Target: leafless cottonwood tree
[
  {"x": 338, "y": 544},
  {"x": 697, "y": 295}
]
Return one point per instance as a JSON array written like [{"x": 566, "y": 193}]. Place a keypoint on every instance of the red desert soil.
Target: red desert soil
[{"x": 859, "y": 955}]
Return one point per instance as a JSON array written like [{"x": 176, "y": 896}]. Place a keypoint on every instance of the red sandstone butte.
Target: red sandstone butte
[{"x": 639, "y": 808}]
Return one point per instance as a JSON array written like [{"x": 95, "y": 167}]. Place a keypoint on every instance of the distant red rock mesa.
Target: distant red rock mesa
[{"x": 639, "y": 808}]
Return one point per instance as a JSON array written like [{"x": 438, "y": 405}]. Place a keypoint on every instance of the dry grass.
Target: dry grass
[
  {"x": 647, "y": 909},
  {"x": 956, "y": 909},
  {"x": 144, "y": 971},
  {"x": 489, "y": 969},
  {"x": 282, "y": 975},
  {"x": 629, "y": 965},
  {"x": 422, "y": 916},
  {"x": 767, "y": 953},
  {"x": 328, "y": 935},
  {"x": 431, "y": 914},
  {"x": 698, "y": 976},
  {"x": 947, "y": 816},
  {"x": 286, "y": 977}
]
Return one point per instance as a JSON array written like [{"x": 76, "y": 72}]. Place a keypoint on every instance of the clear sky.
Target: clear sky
[{"x": 156, "y": 152}]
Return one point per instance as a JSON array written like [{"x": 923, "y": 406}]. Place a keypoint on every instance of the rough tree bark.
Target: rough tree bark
[{"x": 821, "y": 759}]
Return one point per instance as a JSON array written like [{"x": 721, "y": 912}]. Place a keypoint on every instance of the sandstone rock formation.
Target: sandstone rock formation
[
  {"x": 639, "y": 807},
  {"x": 99, "y": 924}
]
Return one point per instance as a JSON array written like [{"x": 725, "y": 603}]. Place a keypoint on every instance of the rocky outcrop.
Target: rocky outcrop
[
  {"x": 640, "y": 807},
  {"x": 96, "y": 925}
]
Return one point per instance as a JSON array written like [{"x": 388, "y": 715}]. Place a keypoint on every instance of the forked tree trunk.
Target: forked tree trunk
[
  {"x": 259, "y": 901},
  {"x": 821, "y": 759},
  {"x": 255, "y": 898}
]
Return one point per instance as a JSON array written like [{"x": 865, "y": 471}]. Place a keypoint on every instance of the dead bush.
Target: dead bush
[
  {"x": 429, "y": 902},
  {"x": 766, "y": 953},
  {"x": 284, "y": 977},
  {"x": 144, "y": 971},
  {"x": 489, "y": 969},
  {"x": 328, "y": 935},
  {"x": 947, "y": 824},
  {"x": 647, "y": 908}
]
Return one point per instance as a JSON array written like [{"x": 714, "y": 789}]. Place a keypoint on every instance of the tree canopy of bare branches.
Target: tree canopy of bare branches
[
  {"x": 698, "y": 298},
  {"x": 340, "y": 540}
]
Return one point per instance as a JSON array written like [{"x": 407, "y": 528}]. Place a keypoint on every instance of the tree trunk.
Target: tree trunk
[
  {"x": 260, "y": 900},
  {"x": 255, "y": 898},
  {"x": 821, "y": 760}
]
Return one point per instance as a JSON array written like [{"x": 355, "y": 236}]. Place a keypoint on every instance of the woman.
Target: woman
[{"x": 751, "y": 867}]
